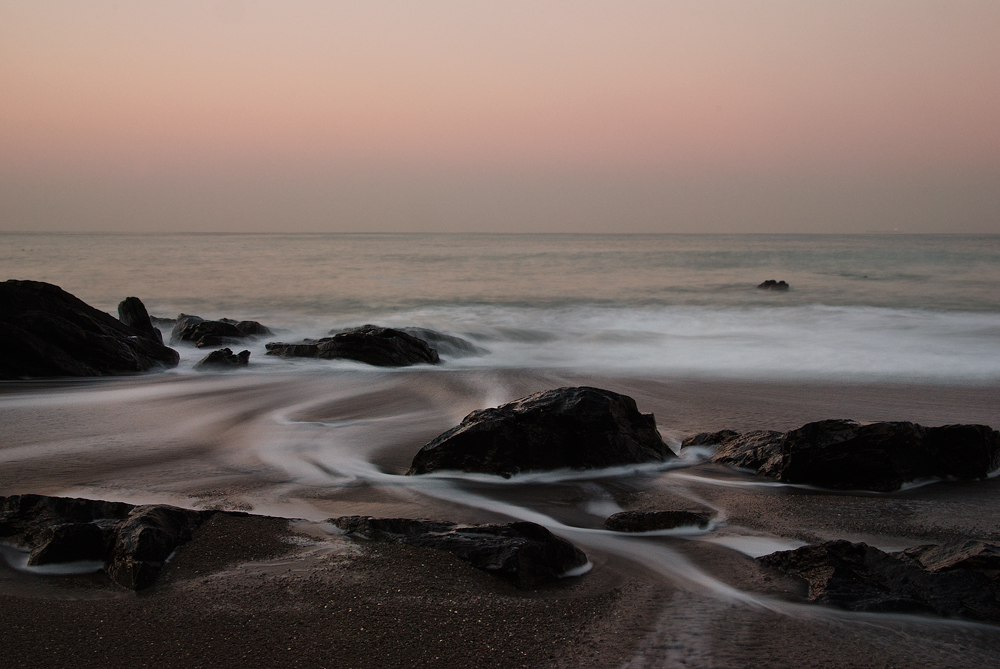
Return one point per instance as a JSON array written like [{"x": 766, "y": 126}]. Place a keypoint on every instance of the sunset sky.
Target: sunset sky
[{"x": 504, "y": 116}]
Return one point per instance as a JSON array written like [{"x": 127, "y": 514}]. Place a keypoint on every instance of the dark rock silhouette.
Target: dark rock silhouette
[
  {"x": 579, "y": 428},
  {"x": 382, "y": 347},
  {"x": 771, "y": 284},
  {"x": 204, "y": 334},
  {"x": 132, "y": 312},
  {"x": 648, "y": 521},
  {"x": 878, "y": 456},
  {"x": 524, "y": 553},
  {"x": 223, "y": 360},
  {"x": 46, "y": 332},
  {"x": 957, "y": 580}
]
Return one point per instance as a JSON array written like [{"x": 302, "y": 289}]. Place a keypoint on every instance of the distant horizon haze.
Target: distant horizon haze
[{"x": 444, "y": 116}]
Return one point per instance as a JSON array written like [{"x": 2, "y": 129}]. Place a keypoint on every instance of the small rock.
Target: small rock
[
  {"x": 223, "y": 360},
  {"x": 371, "y": 344},
  {"x": 771, "y": 284},
  {"x": 648, "y": 521}
]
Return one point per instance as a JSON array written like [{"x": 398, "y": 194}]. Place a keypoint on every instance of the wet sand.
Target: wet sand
[{"x": 258, "y": 591}]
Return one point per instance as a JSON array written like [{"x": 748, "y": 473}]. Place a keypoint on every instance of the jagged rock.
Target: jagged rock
[
  {"x": 771, "y": 284},
  {"x": 132, "y": 541},
  {"x": 648, "y": 521},
  {"x": 709, "y": 438},
  {"x": 878, "y": 456},
  {"x": 204, "y": 334},
  {"x": 383, "y": 347},
  {"x": 524, "y": 553},
  {"x": 223, "y": 359},
  {"x": 132, "y": 312},
  {"x": 579, "y": 428},
  {"x": 860, "y": 577},
  {"x": 46, "y": 332},
  {"x": 445, "y": 344}
]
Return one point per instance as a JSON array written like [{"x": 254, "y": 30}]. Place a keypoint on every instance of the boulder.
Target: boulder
[
  {"x": 523, "y": 553},
  {"x": 132, "y": 312},
  {"x": 382, "y": 347},
  {"x": 132, "y": 541},
  {"x": 204, "y": 334},
  {"x": 46, "y": 332},
  {"x": 223, "y": 360},
  {"x": 648, "y": 521},
  {"x": 845, "y": 454},
  {"x": 577, "y": 428},
  {"x": 771, "y": 284},
  {"x": 859, "y": 577}
]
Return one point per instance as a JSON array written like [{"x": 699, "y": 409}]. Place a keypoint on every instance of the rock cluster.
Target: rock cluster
[
  {"x": 848, "y": 455},
  {"x": 46, "y": 332},
  {"x": 958, "y": 580},
  {"x": 223, "y": 360},
  {"x": 204, "y": 334},
  {"x": 371, "y": 344},
  {"x": 523, "y": 553},
  {"x": 132, "y": 541},
  {"x": 577, "y": 428}
]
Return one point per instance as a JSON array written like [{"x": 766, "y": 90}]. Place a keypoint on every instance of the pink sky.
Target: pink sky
[{"x": 727, "y": 115}]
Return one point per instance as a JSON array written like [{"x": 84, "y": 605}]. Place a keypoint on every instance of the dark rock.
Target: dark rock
[
  {"x": 145, "y": 539},
  {"x": 878, "y": 456},
  {"x": 859, "y": 577},
  {"x": 132, "y": 312},
  {"x": 223, "y": 359},
  {"x": 383, "y": 347},
  {"x": 972, "y": 555},
  {"x": 46, "y": 332},
  {"x": 248, "y": 328},
  {"x": 204, "y": 334},
  {"x": 445, "y": 344},
  {"x": 709, "y": 438},
  {"x": 579, "y": 428},
  {"x": 524, "y": 553},
  {"x": 648, "y": 521},
  {"x": 132, "y": 541},
  {"x": 771, "y": 284}
]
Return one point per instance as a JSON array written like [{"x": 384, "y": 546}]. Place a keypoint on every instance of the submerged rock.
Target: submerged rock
[
  {"x": 860, "y": 577},
  {"x": 771, "y": 284},
  {"x": 46, "y": 332},
  {"x": 524, "y": 553},
  {"x": 132, "y": 541},
  {"x": 222, "y": 360},
  {"x": 204, "y": 334},
  {"x": 648, "y": 521},
  {"x": 132, "y": 312},
  {"x": 445, "y": 344},
  {"x": 877, "y": 456},
  {"x": 382, "y": 347},
  {"x": 578, "y": 428}
]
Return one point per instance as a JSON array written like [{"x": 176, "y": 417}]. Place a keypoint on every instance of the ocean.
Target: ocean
[{"x": 860, "y": 307}]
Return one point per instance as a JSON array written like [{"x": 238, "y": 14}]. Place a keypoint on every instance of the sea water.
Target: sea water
[{"x": 860, "y": 307}]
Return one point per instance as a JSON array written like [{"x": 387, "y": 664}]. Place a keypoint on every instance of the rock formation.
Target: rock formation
[{"x": 382, "y": 347}]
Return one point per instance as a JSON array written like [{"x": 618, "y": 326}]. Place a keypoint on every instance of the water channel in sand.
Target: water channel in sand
[{"x": 334, "y": 442}]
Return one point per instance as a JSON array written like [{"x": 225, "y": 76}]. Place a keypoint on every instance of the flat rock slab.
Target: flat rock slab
[
  {"x": 577, "y": 428},
  {"x": 370, "y": 344},
  {"x": 45, "y": 332},
  {"x": 523, "y": 553},
  {"x": 649, "y": 521},
  {"x": 844, "y": 454},
  {"x": 954, "y": 580}
]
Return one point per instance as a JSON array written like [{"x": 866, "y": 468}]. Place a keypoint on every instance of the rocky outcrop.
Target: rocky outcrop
[
  {"x": 382, "y": 347},
  {"x": 709, "y": 438},
  {"x": 955, "y": 580},
  {"x": 649, "y": 521},
  {"x": 445, "y": 344},
  {"x": 46, "y": 332},
  {"x": 132, "y": 541},
  {"x": 523, "y": 553},
  {"x": 771, "y": 284},
  {"x": 878, "y": 456},
  {"x": 204, "y": 334},
  {"x": 577, "y": 428},
  {"x": 132, "y": 312},
  {"x": 223, "y": 360}
]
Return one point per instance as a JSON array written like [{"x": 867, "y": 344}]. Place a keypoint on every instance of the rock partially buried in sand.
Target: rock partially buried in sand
[
  {"x": 132, "y": 312},
  {"x": 523, "y": 553},
  {"x": 649, "y": 521},
  {"x": 223, "y": 360},
  {"x": 576, "y": 428},
  {"x": 132, "y": 541},
  {"x": 957, "y": 580},
  {"x": 46, "y": 332},
  {"x": 845, "y": 454},
  {"x": 203, "y": 334},
  {"x": 371, "y": 344},
  {"x": 771, "y": 284}
]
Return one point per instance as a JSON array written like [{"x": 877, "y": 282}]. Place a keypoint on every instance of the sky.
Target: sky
[{"x": 823, "y": 116}]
